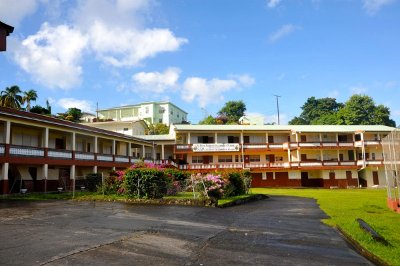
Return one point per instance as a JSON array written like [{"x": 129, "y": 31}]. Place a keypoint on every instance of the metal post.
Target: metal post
[{"x": 277, "y": 106}]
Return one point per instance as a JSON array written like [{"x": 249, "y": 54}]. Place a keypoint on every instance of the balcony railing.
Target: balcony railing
[
  {"x": 105, "y": 157},
  {"x": 84, "y": 156},
  {"x": 2, "y": 149},
  {"x": 121, "y": 159},
  {"x": 16, "y": 150},
  {"x": 62, "y": 154}
]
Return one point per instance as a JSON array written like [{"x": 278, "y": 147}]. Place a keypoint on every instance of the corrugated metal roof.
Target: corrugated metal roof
[{"x": 294, "y": 128}]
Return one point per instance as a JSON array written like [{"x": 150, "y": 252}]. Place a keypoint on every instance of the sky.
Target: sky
[{"x": 200, "y": 54}]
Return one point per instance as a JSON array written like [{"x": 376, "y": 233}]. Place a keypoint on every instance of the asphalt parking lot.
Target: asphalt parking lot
[{"x": 275, "y": 231}]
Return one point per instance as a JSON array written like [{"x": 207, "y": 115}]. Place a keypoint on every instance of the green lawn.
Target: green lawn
[{"x": 345, "y": 206}]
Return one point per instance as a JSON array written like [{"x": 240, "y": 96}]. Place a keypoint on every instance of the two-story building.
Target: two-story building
[
  {"x": 151, "y": 112},
  {"x": 294, "y": 156}
]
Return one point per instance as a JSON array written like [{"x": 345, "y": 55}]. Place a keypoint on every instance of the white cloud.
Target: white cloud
[
  {"x": 245, "y": 79},
  {"x": 84, "y": 105},
  {"x": 282, "y": 32},
  {"x": 13, "y": 12},
  {"x": 333, "y": 94},
  {"x": 156, "y": 82},
  {"x": 373, "y": 6},
  {"x": 206, "y": 91},
  {"x": 273, "y": 3},
  {"x": 128, "y": 47},
  {"x": 358, "y": 90},
  {"x": 212, "y": 91},
  {"x": 52, "y": 56}
]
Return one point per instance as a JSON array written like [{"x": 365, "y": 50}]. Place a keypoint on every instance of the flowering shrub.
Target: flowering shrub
[
  {"x": 146, "y": 183},
  {"x": 113, "y": 183},
  {"x": 209, "y": 185}
]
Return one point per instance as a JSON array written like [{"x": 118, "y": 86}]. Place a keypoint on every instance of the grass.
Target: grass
[{"x": 345, "y": 206}]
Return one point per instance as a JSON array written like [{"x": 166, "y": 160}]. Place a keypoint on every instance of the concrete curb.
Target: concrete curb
[
  {"x": 360, "y": 249},
  {"x": 243, "y": 201}
]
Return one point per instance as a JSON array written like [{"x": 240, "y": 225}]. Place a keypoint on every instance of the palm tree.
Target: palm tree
[
  {"x": 29, "y": 96},
  {"x": 11, "y": 97}
]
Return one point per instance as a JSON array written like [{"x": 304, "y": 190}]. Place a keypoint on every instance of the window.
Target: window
[
  {"x": 172, "y": 112},
  {"x": 238, "y": 158},
  {"x": 177, "y": 115},
  {"x": 278, "y": 158},
  {"x": 197, "y": 159},
  {"x": 161, "y": 110},
  {"x": 148, "y": 155},
  {"x": 233, "y": 139},
  {"x": 225, "y": 159},
  {"x": 325, "y": 136},
  {"x": 126, "y": 129},
  {"x": 254, "y": 158},
  {"x": 147, "y": 110},
  {"x": 373, "y": 156},
  {"x": 160, "y": 120}
]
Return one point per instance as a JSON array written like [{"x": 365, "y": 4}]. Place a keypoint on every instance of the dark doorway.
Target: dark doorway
[
  {"x": 375, "y": 177},
  {"x": 304, "y": 179},
  {"x": 60, "y": 144},
  {"x": 270, "y": 139},
  {"x": 351, "y": 155}
]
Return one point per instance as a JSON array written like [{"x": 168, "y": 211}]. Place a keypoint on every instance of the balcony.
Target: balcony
[{"x": 25, "y": 151}]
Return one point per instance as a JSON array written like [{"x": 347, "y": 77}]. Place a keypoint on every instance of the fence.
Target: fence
[{"x": 391, "y": 155}]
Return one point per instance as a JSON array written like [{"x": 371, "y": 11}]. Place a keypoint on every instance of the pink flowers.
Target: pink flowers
[{"x": 211, "y": 184}]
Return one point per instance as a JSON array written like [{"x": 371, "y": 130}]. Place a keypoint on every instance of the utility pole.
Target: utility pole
[{"x": 277, "y": 106}]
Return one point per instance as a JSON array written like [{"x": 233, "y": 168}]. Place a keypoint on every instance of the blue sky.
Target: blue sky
[{"x": 199, "y": 54}]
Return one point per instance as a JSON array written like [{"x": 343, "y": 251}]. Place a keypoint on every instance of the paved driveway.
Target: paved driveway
[{"x": 275, "y": 231}]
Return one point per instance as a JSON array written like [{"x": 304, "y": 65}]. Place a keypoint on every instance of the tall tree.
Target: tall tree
[
  {"x": 37, "y": 109},
  {"x": 11, "y": 97},
  {"x": 361, "y": 110},
  {"x": 209, "y": 120},
  {"x": 233, "y": 110},
  {"x": 316, "y": 111},
  {"x": 29, "y": 96}
]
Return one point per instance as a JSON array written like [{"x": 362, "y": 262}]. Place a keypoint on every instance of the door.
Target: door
[
  {"x": 303, "y": 138},
  {"x": 351, "y": 155},
  {"x": 206, "y": 159},
  {"x": 246, "y": 139},
  {"x": 375, "y": 177},
  {"x": 270, "y": 139},
  {"x": 304, "y": 179},
  {"x": 60, "y": 144},
  {"x": 349, "y": 176},
  {"x": 246, "y": 159},
  {"x": 341, "y": 157},
  {"x": 271, "y": 158},
  {"x": 303, "y": 157},
  {"x": 332, "y": 175}
]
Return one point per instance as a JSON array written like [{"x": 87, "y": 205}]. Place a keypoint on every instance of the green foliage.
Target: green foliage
[
  {"x": 93, "y": 181},
  {"x": 37, "y": 109},
  {"x": 146, "y": 183},
  {"x": 236, "y": 184},
  {"x": 358, "y": 110},
  {"x": 11, "y": 97},
  {"x": 157, "y": 129},
  {"x": 209, "y": 120},
  {"x": 29, "y": 96},
  {"x": 233, "y": 110},
  {"x": 176, "y": 174},
  {"x": 72, "y": 114}
]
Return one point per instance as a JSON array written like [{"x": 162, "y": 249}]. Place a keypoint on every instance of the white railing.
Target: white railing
[
  {"x": 106, "y": 158},
  {"x": 275, "y": 146},
  {"x": 329, "y": 144},
  {"x": 311, "y": 164},
  {"x": 255, "y": 146},
  {"x": 230, "y": 165},
  {"x": 358, "y": 143},
  {"x": 60, "y": 154},
  {"x": 374, "y": 162},
  {"x": 183, "y": 147},
  {"x": 280, "y": 165},
  {"x": 257, "y": 165},
  {"x": 331, "y": 163},
  {"x": 348, "y": 163},
  {"x": 309, "y": 144},
  {"x": 84, "y": 156},
  {"x": 372, "y": 142},
  {"x": 26, "y": 151},
  {"x": 346, "y": 144},
  {"x": 294, "y": 145},
  {"x": 135, "y": 160},
  {"x": 122, "y": 159}
]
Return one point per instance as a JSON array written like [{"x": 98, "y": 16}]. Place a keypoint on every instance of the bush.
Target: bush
[
  {"x": 176, "y": 175},
  {"x": 236, "y": 183},
  {"x": 113, "y": 183},
  {"x": 146, "y": 183},
  {"x": 93, "y": 180}
]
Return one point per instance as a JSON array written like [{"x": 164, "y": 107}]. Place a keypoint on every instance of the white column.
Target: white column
[
  {"x": 188, "y": 140},
  {"x": 322, "y": 155},
  {"x": 4, "y": 171},
  {"x": 289, "y": 155},
  {"x": 72, "y": 172},
  {"x": 8, "y": 132},
  {"x": 96, "y": 148},
  {"x": 143, "y": 151},
  {"x": 113, "y": 147},
  {"x": 73, "y": 141},
  {"x": 45, "y": 175},
  {"x": 297, "y": 137},
  {"x": 337, "y": 138},
  {"x": 129, "y": 149},
  {"x": 95, "y": 169},
  {"x": 46, "y": 137},
  {"x": 320, "y": 137},
  {"x": 338, "y": 155},
  {"x": 266, "y": 137},
  {"x": 162, "y": 152},
  {"x": 215, "y": 137}
]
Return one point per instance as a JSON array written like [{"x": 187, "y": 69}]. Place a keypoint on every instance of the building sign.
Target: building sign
[{"x": 201, "y": 147}]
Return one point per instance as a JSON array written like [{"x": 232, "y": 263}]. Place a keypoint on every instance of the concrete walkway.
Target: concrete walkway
[{"x": 275, "y": 231}]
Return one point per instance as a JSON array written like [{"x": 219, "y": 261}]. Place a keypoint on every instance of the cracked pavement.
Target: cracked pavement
[{"x": 274, "y": 231}]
